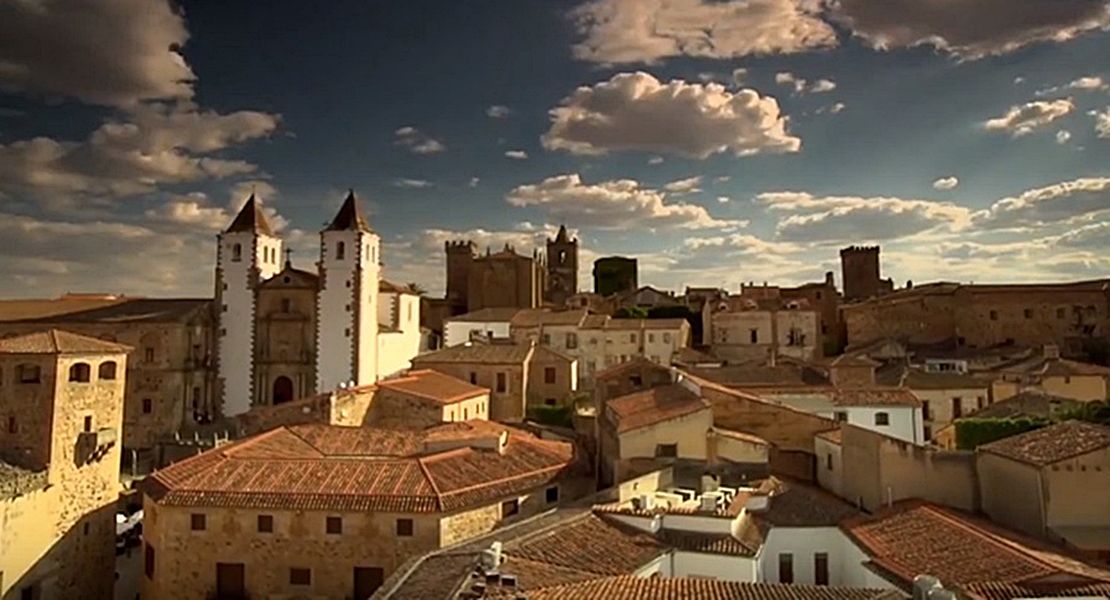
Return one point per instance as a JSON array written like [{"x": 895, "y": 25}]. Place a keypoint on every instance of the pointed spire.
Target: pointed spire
[
  {"x": 349, "y": 217},
  {"x": 251, "y": 219},
  {"x": 562, "y": 237}
]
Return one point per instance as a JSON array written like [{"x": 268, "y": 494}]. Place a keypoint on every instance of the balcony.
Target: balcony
[{"x": 94, "y": 445}]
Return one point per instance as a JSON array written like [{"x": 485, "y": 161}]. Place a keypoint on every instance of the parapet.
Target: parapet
[
  {"x": 859, "y": 250},
  {"x": 460, "y": 246}
]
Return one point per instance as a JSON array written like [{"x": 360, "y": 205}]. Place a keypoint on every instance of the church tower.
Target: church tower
[
  {"x": 347, "y": 342},
  {"x": 562, "y": 267},
  {"x": 248, "y": 253}
]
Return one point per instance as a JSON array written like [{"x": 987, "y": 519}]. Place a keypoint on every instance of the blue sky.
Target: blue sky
[{"x": 718, "y": 141}]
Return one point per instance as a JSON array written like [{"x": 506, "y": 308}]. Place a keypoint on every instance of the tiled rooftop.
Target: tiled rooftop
[
  {"x": 914, "y": 537},
  {"x": 757, "y": 375},
  {"x": 324, "y": 467},
  {"x": 472, "y": 352},
  {"x": 901, "y": 375},
  {"x": 630, "y": 587},
  {"x": 653, "y": 406},
  {"x": 875, "y": 397},
  {"x": 435, "y": 386},
  {"x": 793, "y": 504},
  {"x": 1029, "y": 403},
  {"x": 55, "y": 341},
  {"x": 487, "y": 315},
  {"x": 835, "y": 436},
  {"x": 532, "y": 317},
  {"x": 1053, "y": 443},
  {"x": 708, "y": 543},
  {"x": 1040, "y": 366}
]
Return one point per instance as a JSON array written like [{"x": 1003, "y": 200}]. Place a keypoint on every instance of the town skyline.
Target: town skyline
[{"x": 783, "y": 136}]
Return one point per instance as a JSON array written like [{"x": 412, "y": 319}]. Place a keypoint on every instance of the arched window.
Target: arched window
[
  {"x": 107, "y": 370},
  {"x": 236, "y": 252},
  {"x": 340, "y": 250},
  {"x": 79, "y": 372},
  {"x": 28, "y": 374},
  {"x": 283, "y": 390}
]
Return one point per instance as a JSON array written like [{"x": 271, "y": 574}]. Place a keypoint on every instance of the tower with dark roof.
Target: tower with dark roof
[
  {"x": 562, "y": 267},
  {"x": 248, "y": 253}
]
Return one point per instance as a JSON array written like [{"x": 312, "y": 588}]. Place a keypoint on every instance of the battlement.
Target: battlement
[
  {"x": 460, "y": 246},
  {"x": 859, "y": 250}
]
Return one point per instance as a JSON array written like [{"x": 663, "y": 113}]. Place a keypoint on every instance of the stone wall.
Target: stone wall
[
  {"x": 784, "y": 427},
  {"x": 394, "y": 409},
  {"x": 563, "y": 384},
  {"x": 507, "y": 405}
]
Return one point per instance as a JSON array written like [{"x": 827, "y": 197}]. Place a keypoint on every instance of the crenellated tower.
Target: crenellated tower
[
  {"x": 248, "y": 252},
  {"x": 460, "y": 259},
  {"x": 350, "y": 271},
  {"x": 562, "y": 268}
]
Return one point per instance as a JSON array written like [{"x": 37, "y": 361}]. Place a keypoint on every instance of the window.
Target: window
[
  {"x": 549, "y": 374},
  {"x": 510, "y": 507},
  {"x": 829, "y": 462},
  {"x": 551, "y": 495},
  {"x": 994, "y": 315},
  {"x": 572, "y": 341},
  {"x": 80, "y": 373},
  {"x": 148, "y": 561},
  {"x": 12, "y": 427},
  {"x": 632, "y": 338},
  {"x": 666, "y": 450},
  {"x": 236, "y": 252},
  {"x": 335, "y": 525},
  {"x": 1029, "y": 313},
  {"x": 786, "y": 568},
  {"x": 148, "y": 354},
  {"x": 821, "y": 568},
  {"x": 198, "y": 522},
  {"x": 754, "y": 335},
  {"x": 107, "y": 370},
  {"x": 666, "y": 338},
  {"x": 841, "y": 416},
  {"x": 1061, "y": 313},
  {"x": 340, "y": 250},
  {"x": 28, "y": 373},
  {"x": 882, "y": 418},
  {"x": 265, "y": 524},
  {"x": 473, "y": 378},
  {"x": 957, "y": 407},
  {"x": 29, "y": 592},
  {"x": 925, "y": 414},
  {"x": 651, "y": 338},
  {"x": 980, "y": 402},
  {"x": 286, "y": 305},
  {"x": 928, "y": 431},
  {"x": 818, "y": 295},
  {"x": 88, "y": 424},
  {"x": 501, "y": 383},
  {"x": 593, "y": 341},
  {"x": 404, "y": 527},
  {"x": 300, "y": 576},
  {"x": 546, "y": 339}
]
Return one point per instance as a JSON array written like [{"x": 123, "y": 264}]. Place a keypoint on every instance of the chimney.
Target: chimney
[{"x": 1051, "y": 351}]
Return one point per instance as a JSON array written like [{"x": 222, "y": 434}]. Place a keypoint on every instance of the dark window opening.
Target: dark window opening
[
  {"x": 340, "y": 251},
  {"x": 148, "y": 406},
  {"x": 549, "y": 375},
  {"x": 265, "y": 524},
  {"x": 882, "y": 418},
  {"x": 107, "y": 370},
  {"x": 300, "y": 576},
  {"x": 821, "y": 568},
  {"x": 474, "y": 378},
  {"x": 88, "y": 424},
  {"x": 404, "y": 527},
  {"x": 754, "y": 336},
  {"x": 786, "y": 568},
  {"x": 501, "y": 386},
  {"x": 80, "y": 373},
  {"x": 29, "y": 373},
  {"x": 829, "y": 462},
  {"x": 335, "y": 525},
  {"x": 551, "y": 495},
  {"x": 666, "y": 450},
  {"x": 148, "y": 561},
  {"x": 510, "y": 507},
  {"x": 198, "y": 522}
]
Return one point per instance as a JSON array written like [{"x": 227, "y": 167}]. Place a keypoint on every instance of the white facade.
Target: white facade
[
  {"x": 902, "y": 422},
  {"x": 458, "y": 332},
  {"x": 348, "y": 309},
  {"x": 399, "y": 341},
  {"x": 830, "y": 466},
  {"x": 243, "y": 258}
]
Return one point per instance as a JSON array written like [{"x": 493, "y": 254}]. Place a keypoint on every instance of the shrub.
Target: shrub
[{"x": 556, "y": 416}]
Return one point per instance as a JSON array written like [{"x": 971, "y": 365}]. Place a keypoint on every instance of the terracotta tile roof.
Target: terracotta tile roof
[
  {"x": 622, "y": 549},
  {"x": 532, "y": 317},
  {"x": 486, "y": 315},
  {"x": 692, "y": 356},
  {"x": 100, "y": 309},
  {"x": 875, "y": 397},
  {"x": 1005, "y": 591},
  {"x": 1030, "y": 403},
  {"x": 435, "y": 386},
  {"x": 665, "y": 323},
  {"x": 739, "y": 435},
  {"x": 653, "y": 406},
  {"x": 636, "y": 361},
  {"x": 548, "y": 353},
  {"x": 707, "y": 543},
  {"x": 794, "y": 504},
  {"x": 251, "y": 218},
  {"x": 756, "y": 375},
  {"x": 595, "y": 321},
  {"x": 324, "y": 467},
  {"x": 902, "y": 375},
  {"x": 1052, "y": 444},
  {"x": 1039, "y": 366},
  {"x": 853, "y": 360},
  {"x": 396, "y": 288},
  {"x": 471, "y": 352},
  {"x": 915, "y": 537},
  {"x": 631, "y": 587},
  {"x": 835, "y": 436},
  {"x": 56, "y": 341}
]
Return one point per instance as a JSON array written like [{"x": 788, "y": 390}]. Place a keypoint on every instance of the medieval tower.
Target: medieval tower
[
  {"x": 562, "y": 267},
  {"x": 248, "y": 253},
  {"x": 860, "y": 273},
  {"x": 460, "y": 257}
]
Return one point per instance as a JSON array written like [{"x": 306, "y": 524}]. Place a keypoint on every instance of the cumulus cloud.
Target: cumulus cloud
[
  {"x": 613, "y": 204},
  {"x": 801, "y": 86},
  {"x": 158, "y": 145},
  {"x": 1060, "y": 202},
  {"x": 970, "y": 29},
  {"x": 684, "y": 186},
  {"x": 1102, "y": 123},
  {"x": 822, "y": 85},
  {"x": 946, "y": 183},
  {"x": 1024, "y": 119},
  {"x": 635, "y": 111},
  {"x": 647, "y": 31},
  {"x": 1063, "y": 136},
  {"x": 848, "y": 218},
  {"x": 130, "y": 55},
  {"x": 516, "y": 154},
  {"x": 412, "y": 183},
  {"x": 416, "y": 141},
  {"x": 498, "y": 111}
]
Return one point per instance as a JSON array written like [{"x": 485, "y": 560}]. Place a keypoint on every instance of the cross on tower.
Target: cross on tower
[{"x": 288, "y": 253}]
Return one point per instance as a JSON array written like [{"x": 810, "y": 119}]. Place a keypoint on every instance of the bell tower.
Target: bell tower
[{"x": 562, "y": 267}]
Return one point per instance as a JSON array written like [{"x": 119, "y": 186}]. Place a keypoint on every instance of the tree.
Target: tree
[{"x": 630, "y": 312}]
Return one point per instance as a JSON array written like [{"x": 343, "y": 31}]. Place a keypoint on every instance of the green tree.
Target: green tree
[{"x": 630, "y": 312}]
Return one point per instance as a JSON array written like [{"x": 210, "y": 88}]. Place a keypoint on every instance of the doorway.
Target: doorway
[{"x": 283, "y": 390}]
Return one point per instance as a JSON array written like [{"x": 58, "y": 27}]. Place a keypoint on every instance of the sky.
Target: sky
[{"x": 718, "y": 142}]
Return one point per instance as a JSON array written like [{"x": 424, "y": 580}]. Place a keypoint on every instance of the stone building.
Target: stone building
[
  {"x": 171, "y": 374},
  {"x": 860, "y": 272},
  {"x": 61, "y": 397},
  {"x": 1072, "y": 316},
  {"x": 323, "y": 511},
  {"x": 562, "y": 268},
  {"x": 743, "y": 328},
  {"x": 615, "y": 274}
]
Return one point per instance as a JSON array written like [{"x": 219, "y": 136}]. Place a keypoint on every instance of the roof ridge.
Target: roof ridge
[
  {"x": 504, "y": 479},
  {"x": 431, "y": 482}
]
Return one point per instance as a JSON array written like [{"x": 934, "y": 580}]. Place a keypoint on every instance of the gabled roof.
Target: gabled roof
[
  {"x": 251, "y": 219},
  {"x": 486, "y": 315},
  {"x": 1040, "y": 366},
  {"x": 395, "y": 288},
  {"x": 471, "y": 352},
  {"x": 636, "y": 361},
  {"x": 1052, "y": 444},
  {"x": 349, "y": 217},
  {"x": 56, "y": 341},
  {"x": 289, "y": 277},
  {"x": 902, "y": 375},
  {"x": 875, "y": 397},
  {"x": 631, "y": 587},
  {"x": 654, "y": 406},
  {"x": 794, "y": 504},
  {"x": 103, "y": 310},
  {"x": 432, "y": 385},
  {"x": 532, "y": 317}
]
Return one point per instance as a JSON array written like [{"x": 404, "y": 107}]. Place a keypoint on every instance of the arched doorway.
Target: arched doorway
[{"x": 283, "y": 390}]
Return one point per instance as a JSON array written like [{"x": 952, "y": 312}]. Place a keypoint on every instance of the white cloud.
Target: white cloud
[
  {"x": 635, "y": 111},
  {"x": 412, "y": 183},
  {"x": 1086, "y": 84},
  {"x": 1060, "y": 202},
  {"x": 474, "y": 182},
  {"x": 516, "y": 154},
  {"x": 723, "y": 179},
  {"x": 1102, "y": 123},
  {"x": 1019, "y": 80},
  {"x": 613, "y": 204},
  {"x": 836, "y": 108},
  {"x": 822, "y": 86},
  {"x": 1063, "y": 136},
  {"x": 739, "y": 76},
  {"x": 116, "y": 53},
  {"x": 723, "y": 199},
  {"x": 853, "y": 218},
  {"x": 498, "y": 111},
  {"x": 655, "y": 160},
  {"x": 802, "y": 86},
  {"x": 416, "y": 141},
  {"x": 706, "y": 77},
  {"x": 969, "y": 29},
  {"x": 684, "y": 186},
  {"x": 946, "y": 183},
  {"x": 1024, "y": 119},
  {"x": 647, "y": 31}
]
